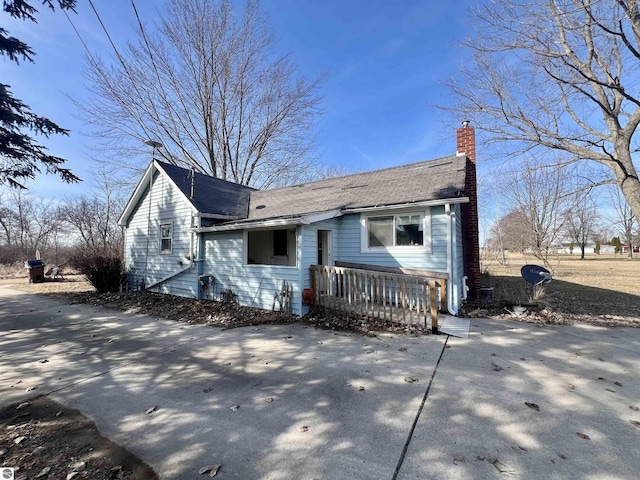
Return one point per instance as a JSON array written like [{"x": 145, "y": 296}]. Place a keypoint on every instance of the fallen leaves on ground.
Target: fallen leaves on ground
[
  {"x": 534, "y": 406},
  {"x": 59, "y": 443},
  {"x": 231, "y": 315},
  {"x": 211, "y": 469},
  {"x": 501, "y": 467}
]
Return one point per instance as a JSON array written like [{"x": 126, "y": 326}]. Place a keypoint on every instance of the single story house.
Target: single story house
[
  {"x": 193, "y": 235},
  {"x": 568, "y": 247}
]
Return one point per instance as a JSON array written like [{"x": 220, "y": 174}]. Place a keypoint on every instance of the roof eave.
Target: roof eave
[
  {"x": 217, "y": 216},
  {"x": 123, "y": 221},
  {"x": 425, "y": 203},
  {"x": 273, "y": 222},
  {"x": 282, "y": 222}
]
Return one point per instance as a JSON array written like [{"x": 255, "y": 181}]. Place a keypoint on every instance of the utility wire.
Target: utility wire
[
  {"x": 171, "y": 111},
  {"x": 106, "y": 32},
  {"x": 78, "y": 34},
  {"x": 122, "y": 62}
]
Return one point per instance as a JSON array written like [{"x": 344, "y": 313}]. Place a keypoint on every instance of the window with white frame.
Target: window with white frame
[
  {"x": 401, "y": 230},
  {"x": 166, "y": 238}
]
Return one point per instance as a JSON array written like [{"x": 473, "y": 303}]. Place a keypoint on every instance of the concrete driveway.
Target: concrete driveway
[{"x": 316, "y": 404}]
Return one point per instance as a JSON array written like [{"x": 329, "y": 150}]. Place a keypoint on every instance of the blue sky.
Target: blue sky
[{"x": 384, "y": 61}]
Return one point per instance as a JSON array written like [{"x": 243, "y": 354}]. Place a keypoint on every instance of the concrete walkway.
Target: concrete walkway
[{"x": 316, "y": 404}]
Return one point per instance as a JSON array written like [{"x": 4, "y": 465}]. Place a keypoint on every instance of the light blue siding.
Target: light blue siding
[
  {"x": 309, "y": 244},
  {"x": 350, "y": 246},
  {"x": 456, "y": 283},
  {"x": 222, "y": 254},
  {"x": 143, "y": 259},
  {"x": 347, "y": 247},
  {"x": 253, "y": 285},
  {"x": 459, "y": 260}
]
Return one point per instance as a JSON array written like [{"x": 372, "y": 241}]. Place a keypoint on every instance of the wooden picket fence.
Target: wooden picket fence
[
  {"x": 400, "y": 298},
  {"x": 130, "y": 284}
]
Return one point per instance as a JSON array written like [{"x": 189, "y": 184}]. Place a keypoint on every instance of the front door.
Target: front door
[{"x": 324, "y": 247}]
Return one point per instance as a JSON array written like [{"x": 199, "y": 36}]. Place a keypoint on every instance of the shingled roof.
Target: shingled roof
[
  {"x": 212, "y": 196},
  {"x": 416, "y": 182},
  {"x": 439, "y": 179}
]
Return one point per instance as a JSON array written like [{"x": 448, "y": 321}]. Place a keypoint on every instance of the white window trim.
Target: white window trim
[
  {"x": 160, "y": 238},
  {"x": 426, "y": 239}
]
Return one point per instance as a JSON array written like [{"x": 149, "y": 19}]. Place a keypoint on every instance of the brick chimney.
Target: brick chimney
[{"x": 466, "y": 144}]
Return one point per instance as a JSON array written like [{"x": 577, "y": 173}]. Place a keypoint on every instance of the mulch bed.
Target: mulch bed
[{"x": 227, "y": 314}]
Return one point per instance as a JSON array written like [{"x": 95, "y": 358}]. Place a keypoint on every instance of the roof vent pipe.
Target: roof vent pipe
[{"x": 193, "y": 182}]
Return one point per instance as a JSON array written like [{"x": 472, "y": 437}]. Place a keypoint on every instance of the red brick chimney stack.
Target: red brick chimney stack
[
  {"x": 466, "y": 145},
  {"x": 466, "y": 137}
]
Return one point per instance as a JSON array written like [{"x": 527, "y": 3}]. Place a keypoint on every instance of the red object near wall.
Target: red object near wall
[{"x": 307, "y": 296}]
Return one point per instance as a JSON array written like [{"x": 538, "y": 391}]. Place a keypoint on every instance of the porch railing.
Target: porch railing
[{"x": 398, "y": 297}]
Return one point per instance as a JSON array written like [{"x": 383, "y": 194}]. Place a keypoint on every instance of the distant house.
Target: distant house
[
  {"x": 565, "y": 248},
  {"x": 607, "y": 249},
  {"x": 192, "y": 235}
]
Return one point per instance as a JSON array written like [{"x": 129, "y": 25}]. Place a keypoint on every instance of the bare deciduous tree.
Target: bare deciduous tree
[
  {"x": 28, "y": 223},
  {"x": 626, "y": 222},
  {"x": 214, "y": 91},
  {"x": 511, "y": 232},
  {"x": 558, "y": 75},
  {"x": 92, "y": 218},
  {"x": 582, "y": 222},
  {"x": 540, "y": 194}
]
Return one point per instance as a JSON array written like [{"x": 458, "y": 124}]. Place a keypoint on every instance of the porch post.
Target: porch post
[{"x": 433, "y": 301}]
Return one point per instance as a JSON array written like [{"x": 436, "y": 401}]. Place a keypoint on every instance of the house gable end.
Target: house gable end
[{"x": 142, "y": 190}]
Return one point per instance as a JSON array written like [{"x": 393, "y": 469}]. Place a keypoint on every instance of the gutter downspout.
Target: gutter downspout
[
  {"x": 200, "y": 251},
  {"x": 451, "y": 238}
]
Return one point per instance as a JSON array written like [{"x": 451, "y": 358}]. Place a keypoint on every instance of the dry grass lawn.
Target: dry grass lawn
[
  {"x": 609, "y": 272},
  {"x": 70, "y": 283},
  {"x": 599, "y": 289}
]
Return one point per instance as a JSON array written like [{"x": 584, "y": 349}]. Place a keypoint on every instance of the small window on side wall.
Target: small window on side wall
[{"x": 166, "y": 238}]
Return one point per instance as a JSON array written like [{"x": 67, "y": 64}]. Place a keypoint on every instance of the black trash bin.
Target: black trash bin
[{"x": 36, "y": 270}]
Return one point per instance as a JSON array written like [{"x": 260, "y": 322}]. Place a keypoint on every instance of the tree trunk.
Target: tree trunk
[
  {"x": 582, "y": 252},
  {"x": 630, "y": 187}
]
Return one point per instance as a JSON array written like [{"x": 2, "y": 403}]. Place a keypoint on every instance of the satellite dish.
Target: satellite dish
[{"x": 535, "y": 274}]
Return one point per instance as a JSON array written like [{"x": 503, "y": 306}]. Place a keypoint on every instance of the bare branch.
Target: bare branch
[
  {"x": 212, "y": 88},
  {"x": 557, "y": 75}
]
